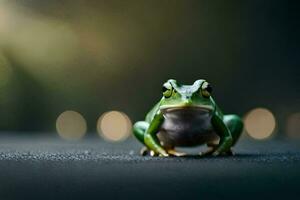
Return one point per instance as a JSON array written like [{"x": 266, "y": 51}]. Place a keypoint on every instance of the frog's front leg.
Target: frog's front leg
[{"x": 147, "y": 134}]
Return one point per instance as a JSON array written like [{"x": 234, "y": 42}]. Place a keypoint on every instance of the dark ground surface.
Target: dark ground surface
[{"x": 49, "y": 168}]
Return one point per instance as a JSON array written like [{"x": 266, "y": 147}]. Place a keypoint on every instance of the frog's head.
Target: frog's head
[{"x": 196, "y": 96}]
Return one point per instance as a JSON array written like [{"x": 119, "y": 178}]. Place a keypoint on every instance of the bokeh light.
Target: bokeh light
[
  {"x": 114, "y": 126},
  {"x": 260, "y": 123},
  {"x": 71, "y": 125},
  {"x": 293, "y": 125}
]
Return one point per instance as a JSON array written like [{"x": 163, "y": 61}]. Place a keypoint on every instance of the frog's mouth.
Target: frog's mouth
[{"x": 199, "y": 109}]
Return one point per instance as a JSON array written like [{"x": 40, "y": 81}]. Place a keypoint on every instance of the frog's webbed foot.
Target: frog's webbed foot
[
  {"x": 212, "y": 151},
  {"x": 229, "y": 153},
  {"x": 173, "y": 152},
  {"x": 225, "y": 153},
  {"x": 146, "y": 152}
]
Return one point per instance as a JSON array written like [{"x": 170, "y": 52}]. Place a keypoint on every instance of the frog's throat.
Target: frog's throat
[{"x": 205, "y": 108}]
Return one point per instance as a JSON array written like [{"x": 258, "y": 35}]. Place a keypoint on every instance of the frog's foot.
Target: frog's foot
[
  {"x": 227, "y": 153},
  {"x": 212, "y": 150},
  {"x": 172, "y": 152},
  {"x": 144, "y": 151}
]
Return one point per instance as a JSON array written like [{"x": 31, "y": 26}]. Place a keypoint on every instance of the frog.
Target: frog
[{"x": 187, "y": 116}]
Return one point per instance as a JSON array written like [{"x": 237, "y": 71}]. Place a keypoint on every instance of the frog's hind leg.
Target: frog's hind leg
[
  {"x": 212, "y": 146},
  {"x": 139, "y": 129},
  {"x": 235, "y": 125}
]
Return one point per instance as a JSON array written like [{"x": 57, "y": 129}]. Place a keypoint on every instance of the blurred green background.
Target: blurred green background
[{"x": 97, "y": 56}]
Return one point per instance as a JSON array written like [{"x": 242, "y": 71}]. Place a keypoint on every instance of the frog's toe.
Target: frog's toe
[
  {"x": 144, "y": 151},
  {"x": 228, "y": 153},
  {"x": 212, "y": 152},
  {"x": 163, "y": 155},
  {"x": 153, "y": 153},
  {"x": 225, "y": 153}
]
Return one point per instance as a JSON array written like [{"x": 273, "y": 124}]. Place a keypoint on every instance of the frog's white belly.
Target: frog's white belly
[{"x": 186, "y": 127}]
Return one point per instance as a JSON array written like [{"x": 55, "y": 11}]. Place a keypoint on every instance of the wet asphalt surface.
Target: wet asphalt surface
[{"x": 48, "y": 168}]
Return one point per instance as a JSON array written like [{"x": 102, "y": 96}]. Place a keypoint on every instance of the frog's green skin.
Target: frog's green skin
[{"x": 187, "y": 115}]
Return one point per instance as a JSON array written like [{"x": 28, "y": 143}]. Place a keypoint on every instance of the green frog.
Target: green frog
[{"x": 187, "y": 116}]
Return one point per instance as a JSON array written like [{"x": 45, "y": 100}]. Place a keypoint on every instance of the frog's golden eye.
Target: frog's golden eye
[
  {"x": 206, "y": 89},
  {"x": 167, "y": 90}
]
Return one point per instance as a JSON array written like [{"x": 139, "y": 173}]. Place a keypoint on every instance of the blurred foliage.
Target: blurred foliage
[{"x": 94, "y": 56}]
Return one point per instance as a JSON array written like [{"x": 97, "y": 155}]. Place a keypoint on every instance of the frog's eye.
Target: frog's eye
[
  {"x": 167, "y": 90},
  {"x": 206, "y": 89}
]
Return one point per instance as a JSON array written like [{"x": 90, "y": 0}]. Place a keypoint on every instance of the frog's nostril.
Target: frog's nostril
[{"x": 187, "y": 100}]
